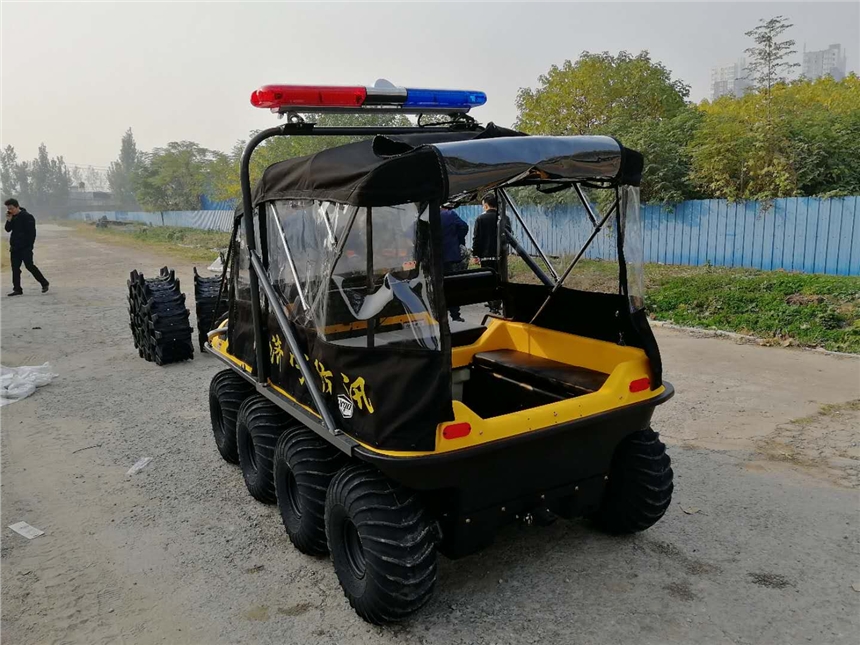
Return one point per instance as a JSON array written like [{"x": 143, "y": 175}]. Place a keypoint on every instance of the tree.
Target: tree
[
  {"x": 41, "y": 185},
  {"x": 665, "y": 145},
  {"x": 769, "y": 170},
  {"x": 48, "y": 183},
  {"x": 630, "y": 97},
  {"x": 810, "y": 146},
  {"x": 768, "y": 59},
  {"x": 225, "y": 173},
  {"x": 823, "y": 127},
  {"x": 8, "y": 172},
  {"x": 40, "y": 178},
  {"x": 744, "y": 148},
  {"x": 99, "y": 181},
  {"x": 174, "y": 178},
  {"x": 22, "y": 181},
  {"x": 121, "y": 172},
  {"x": 720, "y": 148},
  {"x": 78, "y": 179},
  {"x": 597, "y": 90}
]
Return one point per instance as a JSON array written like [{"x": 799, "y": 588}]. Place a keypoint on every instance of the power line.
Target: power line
[{"x": 87, "y": 166}]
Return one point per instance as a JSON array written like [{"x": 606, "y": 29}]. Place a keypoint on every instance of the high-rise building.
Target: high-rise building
[
  {"x": 826, "y": 62},
  {"x": 729, "y": 80}
]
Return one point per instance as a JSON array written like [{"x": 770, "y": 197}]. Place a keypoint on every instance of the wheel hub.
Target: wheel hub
[
  {"x": 354, "y": 550},
  {"x": 293, "y": 494},
  {"x": 252, "y": 452}
]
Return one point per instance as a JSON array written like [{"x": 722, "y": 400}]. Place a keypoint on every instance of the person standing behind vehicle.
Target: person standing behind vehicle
[
  {"x": 485, "y": 242},
  {"x": 22, "y": 226},
  {"x": 454, "y": 231}
]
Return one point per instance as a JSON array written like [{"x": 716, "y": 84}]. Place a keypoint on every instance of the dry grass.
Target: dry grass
[{"x": 179, "y": 243}]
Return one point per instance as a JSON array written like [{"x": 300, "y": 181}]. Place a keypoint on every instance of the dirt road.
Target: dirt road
[{"x": 761, "y": 544}]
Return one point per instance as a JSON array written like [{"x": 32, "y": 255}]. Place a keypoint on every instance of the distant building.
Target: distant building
[
  {"x": 729, "y": 80},
  {"x": 826, "y": 62},
  {"x": 89, "y": 200}
]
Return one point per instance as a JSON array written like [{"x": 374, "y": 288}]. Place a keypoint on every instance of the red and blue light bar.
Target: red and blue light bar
[{"x": 298, "y": 97}]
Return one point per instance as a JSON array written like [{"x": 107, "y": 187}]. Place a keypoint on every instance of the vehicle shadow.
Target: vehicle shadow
[{"x": 530, "y": 563}]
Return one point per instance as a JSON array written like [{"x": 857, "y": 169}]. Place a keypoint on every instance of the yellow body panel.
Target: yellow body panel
[{"x": 623, "y": 364}]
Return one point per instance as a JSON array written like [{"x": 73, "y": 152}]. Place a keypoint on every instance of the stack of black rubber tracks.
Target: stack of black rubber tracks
[
  {"x": 159, "y": 319},
  {"x": 205, "y": 300}
]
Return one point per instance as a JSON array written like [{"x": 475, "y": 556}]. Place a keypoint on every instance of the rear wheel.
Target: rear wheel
[
  {"x": 258, "y": 428},
  {"x": 304, "y": 467},
  {"x": 382, "y": 542},
  {"x": 226, "y": 393},
  {"x": 640, "y": 485}
]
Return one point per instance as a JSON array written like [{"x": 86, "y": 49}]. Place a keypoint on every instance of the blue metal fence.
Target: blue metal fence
[
  {"x": 206, "y": 220},
  {"x": 804, "y": 234}
]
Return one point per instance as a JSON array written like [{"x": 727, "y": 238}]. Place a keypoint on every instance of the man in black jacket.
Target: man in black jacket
[
  {"x": 454, "y": 232},
  {"x": 484, "y": 239},
  {"x": 22, "y": 226}
]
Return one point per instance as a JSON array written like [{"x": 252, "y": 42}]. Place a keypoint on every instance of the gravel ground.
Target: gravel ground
[{"x": 761, "y": 544}]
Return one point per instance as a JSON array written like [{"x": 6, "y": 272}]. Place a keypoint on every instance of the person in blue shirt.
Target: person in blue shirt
[{"x": 454, "y": 231}]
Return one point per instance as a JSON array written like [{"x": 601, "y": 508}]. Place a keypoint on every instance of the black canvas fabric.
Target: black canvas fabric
[
  {"x": 241, "y": 332},
  {"x": 387, "y": 397},
  {"x": 353, "y": 174},
  {"x": 632, "y": 165},
  {"x": 602, "y": 316},
  {"x": 390, "y": 170}
]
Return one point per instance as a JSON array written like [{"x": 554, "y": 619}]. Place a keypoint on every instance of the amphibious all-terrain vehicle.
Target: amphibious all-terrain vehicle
[{"x": 386, "y": 432}]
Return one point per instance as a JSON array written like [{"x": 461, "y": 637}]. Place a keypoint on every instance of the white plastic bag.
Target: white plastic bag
[
  {"x": 217, "y": 266},
  {"x": 17, "y": 383}
]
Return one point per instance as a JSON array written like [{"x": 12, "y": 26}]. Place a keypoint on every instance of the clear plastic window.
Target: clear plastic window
[
  {"x": 634, "y": 249},
  {"x": 358, "y": 277},
  {"x": 243, "y": 264},
  {"x": 562, "y": 230}
]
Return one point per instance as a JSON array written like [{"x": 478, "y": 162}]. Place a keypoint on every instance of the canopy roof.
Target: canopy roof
[{"x": 389, "y": 170}]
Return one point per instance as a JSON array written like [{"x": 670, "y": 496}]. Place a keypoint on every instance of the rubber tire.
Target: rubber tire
[
  {"x": 304, "y": 467},
  {"x": 227, "y": 391},
  {"x": 258, "y": 427},
  {"x": 396, "y": 537},
  {"x": 640, "y": 485}
]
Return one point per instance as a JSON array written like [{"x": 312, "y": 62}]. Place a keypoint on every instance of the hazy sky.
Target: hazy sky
[{"x": 76, "y": 75}]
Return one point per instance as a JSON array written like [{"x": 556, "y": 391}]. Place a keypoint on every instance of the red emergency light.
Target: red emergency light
[{"x": 278, "y": 96}]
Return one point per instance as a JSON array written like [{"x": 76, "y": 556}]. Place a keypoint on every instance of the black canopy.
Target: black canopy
[{"x": 391, "y": 170}]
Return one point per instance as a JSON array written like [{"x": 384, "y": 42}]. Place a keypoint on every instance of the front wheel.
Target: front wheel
[
  {"x": 640, "y": 485},
  {"x": 382, "y": 542}
]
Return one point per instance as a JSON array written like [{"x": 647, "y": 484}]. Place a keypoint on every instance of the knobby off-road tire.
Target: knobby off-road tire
[
  {"x": 382, "y": 542},
  {"x": 258, "y": 427},
  {"x": 304, "y": 467},
  {"x": 640, "y": 485},
  {"x": 227, "y": 391}
]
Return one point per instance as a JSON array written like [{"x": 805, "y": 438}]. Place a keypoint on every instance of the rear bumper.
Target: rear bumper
[
  {"x": 583, "y": 446},
  {"x": 561, "y": 468}
]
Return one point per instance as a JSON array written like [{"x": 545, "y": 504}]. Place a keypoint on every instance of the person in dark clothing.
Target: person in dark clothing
[
  {"x": 485, "y": 242},
  {"x": 454, "y": 231},
  {"x": 22, "y": 226}
]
